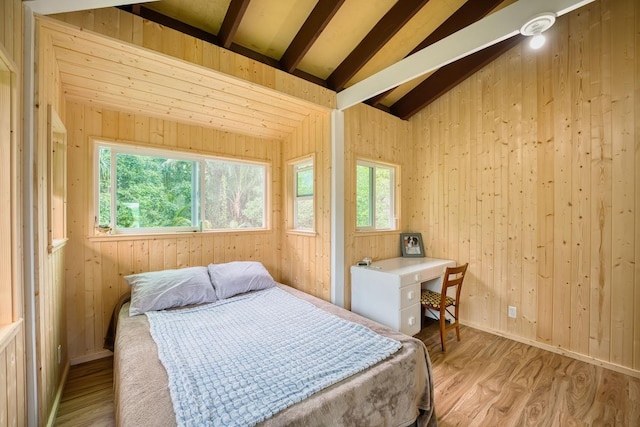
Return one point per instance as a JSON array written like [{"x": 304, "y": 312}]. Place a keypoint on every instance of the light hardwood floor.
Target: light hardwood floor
[
  {"x": 87, "y": 399},
  {"x": 486, "y": 380},
  {"x": 483, "y": 380}
]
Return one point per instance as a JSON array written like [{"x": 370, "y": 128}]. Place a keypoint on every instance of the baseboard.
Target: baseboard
[
  {"x": 558, "y": 350},
  {"x": 56, "y": 402},
  {"x": 90, "y": 357}
]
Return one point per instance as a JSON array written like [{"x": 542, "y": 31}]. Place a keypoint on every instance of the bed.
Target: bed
[{"x": 394, "y": 391}]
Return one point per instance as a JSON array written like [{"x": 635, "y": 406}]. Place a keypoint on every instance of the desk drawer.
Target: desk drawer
[
  {"x": 408, "y": 279},
  {"x": 410, "y": 320},
  {"x": 422, "y": 275},
  {"x": 409, "y": 295}
]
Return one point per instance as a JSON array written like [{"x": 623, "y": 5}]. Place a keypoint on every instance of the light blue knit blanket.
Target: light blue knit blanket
[{"x": 239, "y": 361}]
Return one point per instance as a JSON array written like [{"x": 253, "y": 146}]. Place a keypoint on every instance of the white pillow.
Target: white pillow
[
  {"x": 238, "y": 277},
  {"x": 158, "y": 290}
]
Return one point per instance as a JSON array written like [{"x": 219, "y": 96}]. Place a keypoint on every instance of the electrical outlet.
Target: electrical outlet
[
  {"x": 59, "y": 353},
  {"x": 512, "y": 312}
]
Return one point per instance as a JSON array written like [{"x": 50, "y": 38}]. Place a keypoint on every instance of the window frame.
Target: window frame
[
  {"x": 293, "y": 191},
  {"x": 394, "y": 196},
  {"x": 11, "y": 295},
  {"x": 198, "y": 188}
]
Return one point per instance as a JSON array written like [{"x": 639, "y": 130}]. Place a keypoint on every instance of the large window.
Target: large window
[
  {"x": 375, "y": 196},
  {"x": 158, "y": 191},
  {"x": 302, "y": 208}
]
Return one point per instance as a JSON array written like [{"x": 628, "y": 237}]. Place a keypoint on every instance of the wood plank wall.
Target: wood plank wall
[
  {"x": 13, "y": 401},
  {"x": 51, "y": 331},
  {"x": 306, "y": 263},
  {"x": 530, "y": 171},
  {"x": 371, "y": 134},
  {"x": 96, "y": 265}
]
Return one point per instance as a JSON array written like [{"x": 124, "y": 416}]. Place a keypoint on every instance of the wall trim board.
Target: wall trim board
[
  {"x": 337, "y": 209},
  {"x": 9, "y": 332},
  {"x": 91, "y": 357},
  {"x": 51, "y": 421},
  {"x": 47, "y": 7},
  {"x": 28, "y": 224}
]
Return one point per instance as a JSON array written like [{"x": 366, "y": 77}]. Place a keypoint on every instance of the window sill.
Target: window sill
[
  {"x": 57, "y": 244},
  {"x": 8, "y": 333},
  {"x": 301, "y": 233},
  {"x": 375, "y": 232},
  {"x": 162, "y": 236}
]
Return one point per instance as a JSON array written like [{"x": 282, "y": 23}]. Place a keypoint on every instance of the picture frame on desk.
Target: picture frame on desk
[{"x": 411, "y": 244}]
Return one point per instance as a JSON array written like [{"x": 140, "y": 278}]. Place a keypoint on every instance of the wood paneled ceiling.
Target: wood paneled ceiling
[
  {"x": 337, "y": 43},
  {"x": 107, "y": 72}
]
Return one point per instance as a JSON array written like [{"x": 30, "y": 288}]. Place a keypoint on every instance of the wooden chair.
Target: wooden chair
[{"x": 440, "y": 302}]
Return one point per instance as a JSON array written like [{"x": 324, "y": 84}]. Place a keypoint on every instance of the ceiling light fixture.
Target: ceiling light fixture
[{"x": 536, "y": 26}]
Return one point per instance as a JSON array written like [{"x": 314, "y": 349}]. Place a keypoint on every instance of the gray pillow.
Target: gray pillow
[
  {"x": 238, "y": 277},
  {"x": 158, "y": 290}
]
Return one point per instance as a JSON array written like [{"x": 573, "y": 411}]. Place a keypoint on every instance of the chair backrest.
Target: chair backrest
[{"x": 453, "y": 277}]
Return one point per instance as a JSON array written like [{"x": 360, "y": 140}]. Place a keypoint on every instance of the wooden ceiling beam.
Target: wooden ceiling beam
[
  {"x": 157, "y": 17},
  {"x": 447, "y": 77},
  {"x": 467, "y": 14},
  {"x": 231, "y": 22},
  {"x": 309, "y": 33},
  {"x": 381, "y": 33}
]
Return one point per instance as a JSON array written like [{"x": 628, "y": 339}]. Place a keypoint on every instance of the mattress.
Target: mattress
[{"x": 397, "y": 391}]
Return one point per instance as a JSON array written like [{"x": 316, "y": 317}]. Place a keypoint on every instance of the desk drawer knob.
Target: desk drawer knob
[
  {"x": 410, "y": 295},
  {"x": 411, "y": 321}
]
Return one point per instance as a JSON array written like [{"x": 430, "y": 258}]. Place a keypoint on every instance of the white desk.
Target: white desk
[{"x": 388, "y": 291}]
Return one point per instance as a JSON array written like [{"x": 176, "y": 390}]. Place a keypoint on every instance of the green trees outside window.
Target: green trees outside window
[
  {"x": 375, "y": 196},
  {"x": 161, "y": 191},
  {"x": 303, "y": 210}
]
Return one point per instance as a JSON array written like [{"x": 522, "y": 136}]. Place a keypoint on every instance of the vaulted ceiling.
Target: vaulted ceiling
[{"x": 337, "y": 43}]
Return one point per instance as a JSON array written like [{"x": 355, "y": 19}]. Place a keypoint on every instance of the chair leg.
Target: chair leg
[
  {"x": 443, "y": 336},
  {"x": 457, "y": 309}
]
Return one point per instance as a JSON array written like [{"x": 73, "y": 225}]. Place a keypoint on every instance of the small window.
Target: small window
[
  {"x": 303, "y": 194},
  {"x": 142, "y": 191},
  {"x": 57, "y": 195},
  {"x": 10, "y": 290},
  {"x": 375, "y": 196}
]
